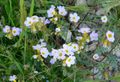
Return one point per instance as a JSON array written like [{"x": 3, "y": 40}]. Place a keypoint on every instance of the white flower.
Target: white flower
[
  {"x": 35, "y": 56},
  {"x": 44, "y": 20},
  {"x": 74, "y": 17},
  {"x": 37, "y": 47},
  {"x": 104, "y": 19},
  {"x": 44, "y": 52},
  {"x": 16, "y": 31},
  {"x": 28, "y": 22},
  {"x": 54, "y": 53},
  {"x": 68, "y": 49},
  {"x": 35, "y": 19},
  {"x": 57, "y": 29},
  {"x": 51, "y": 12},
  {"x": 43, "y": 44},
  {"x": 36, "y": 72},
  {"x": 12, "y": 78},
  {"x": 84, "y": 30},
  {"x": 70, "y": 61},
  {"x": 110, "y": 36},
  {"x": 94, "y": 36},
  {"x": 75, "y": 47},
  {"x": 55, "y": 19},
  {"x": 6, "y": 29},
  {"x": 61, "y": 54},
  {"x": 41, "y": 40},
  {"x": 79, "y": 38},
  {"x": 53, "y": 60},
  {"x": 96, "y": 56},
  {"x": 62, "y": 11}
]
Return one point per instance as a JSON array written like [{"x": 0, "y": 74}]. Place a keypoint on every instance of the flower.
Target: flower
[
  {"x": 35, "y": 19},
  {"x": 96, "y": 56},
  {"x": 44, "y": 52},
  {"x": 36, "y": 72},
  {"x": 70, "y": 61},
  {"x": 37, "y": 47},
  {"x": 6, "y": 29},
  {"x": 84, "y": 30},
  {"x": 16, "y": 31},
  {"x": 54, "y": 53},
  {"x": 61, "y": 54},
  {"x": 53, "y": 60},
  {"x": 78, "y": 38},
  {"x": 62, "y": 11},
  {"x": 110, "y": 36},
  {"x": 75, "y": 47},
  {"x": 43, "y": 44},
  {"x": 94, "y": 36},
  {"x": 57, "y": 29},
  {"x": 35, "y": 56},
  {"x": 12, "y": 78},
  {"x": 55, "y": 19},
  {"x": 106, "y": 43},
  {"x": 28, "y": 22},
  {"x": 46, "y": 21},
  {"x": 74, "y": 17},
  {"x": 104, "y": 19},
  {"x": 51, "y": 12},
  {"x": 68, "y": 49},
  {"x": 41, "y": 40}
]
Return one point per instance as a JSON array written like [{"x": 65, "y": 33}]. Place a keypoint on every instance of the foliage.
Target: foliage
[{"x": 16, "y": 54}]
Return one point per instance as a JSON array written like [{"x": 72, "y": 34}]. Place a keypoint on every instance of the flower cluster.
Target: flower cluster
[
  {"x": 86, "y": 36},
  {"x": 11, "y": 31},
  {"x": 52, "y": 11},
  {"x": 36, "y": 23},
  {"x": 66, "y": 54},
  {"x": 57, "y": 13},
  {"x": 41, "y": 50}
]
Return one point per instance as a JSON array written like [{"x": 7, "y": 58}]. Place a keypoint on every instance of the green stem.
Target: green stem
[{"x": 32, "y": 8}]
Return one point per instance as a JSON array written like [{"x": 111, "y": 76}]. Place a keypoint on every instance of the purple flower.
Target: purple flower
[
  {"x": 94, "y": 36},
  {"x": 47, "y": 21}
]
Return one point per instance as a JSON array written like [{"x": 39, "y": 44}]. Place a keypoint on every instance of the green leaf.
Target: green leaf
[{"x": 66, "y": 35}]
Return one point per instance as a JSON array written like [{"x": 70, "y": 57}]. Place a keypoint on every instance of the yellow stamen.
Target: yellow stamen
[
  {"x": 14, "y": 81},
  {"x": 14, "y": 31},
  {"x": 66, "y": 51},
  {"x": 74, "y": 19},
  {"x": 69, "y": 60},
  {"x": 110, "y": 35},
  {"x": 60, "y": 54}
]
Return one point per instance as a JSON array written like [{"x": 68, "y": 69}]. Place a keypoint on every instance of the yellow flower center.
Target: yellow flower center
[
  {"x": 53, "y": 13},
  {"x": 30, "y": 22},
  {"x": 8, "y": 30},
  {"x": 43, "y": 53},
  {"x": 60, "y": 54},
  {"x": 66, "y": 51},
  {"x": 74, "y": 18},
  {"x": 74, "y": 47},
  {"x": 69, "y": 60},
  {"x": 61, "y": 12},
  {"x": 104, "y": 18},
  {"x": 33, "y": 18},
  {"x": 110, "y": 35},
  {"x": 14, "y": 31}
]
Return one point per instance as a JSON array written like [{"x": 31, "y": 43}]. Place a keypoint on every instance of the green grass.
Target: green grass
[{"x": 16, "y": 54}]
